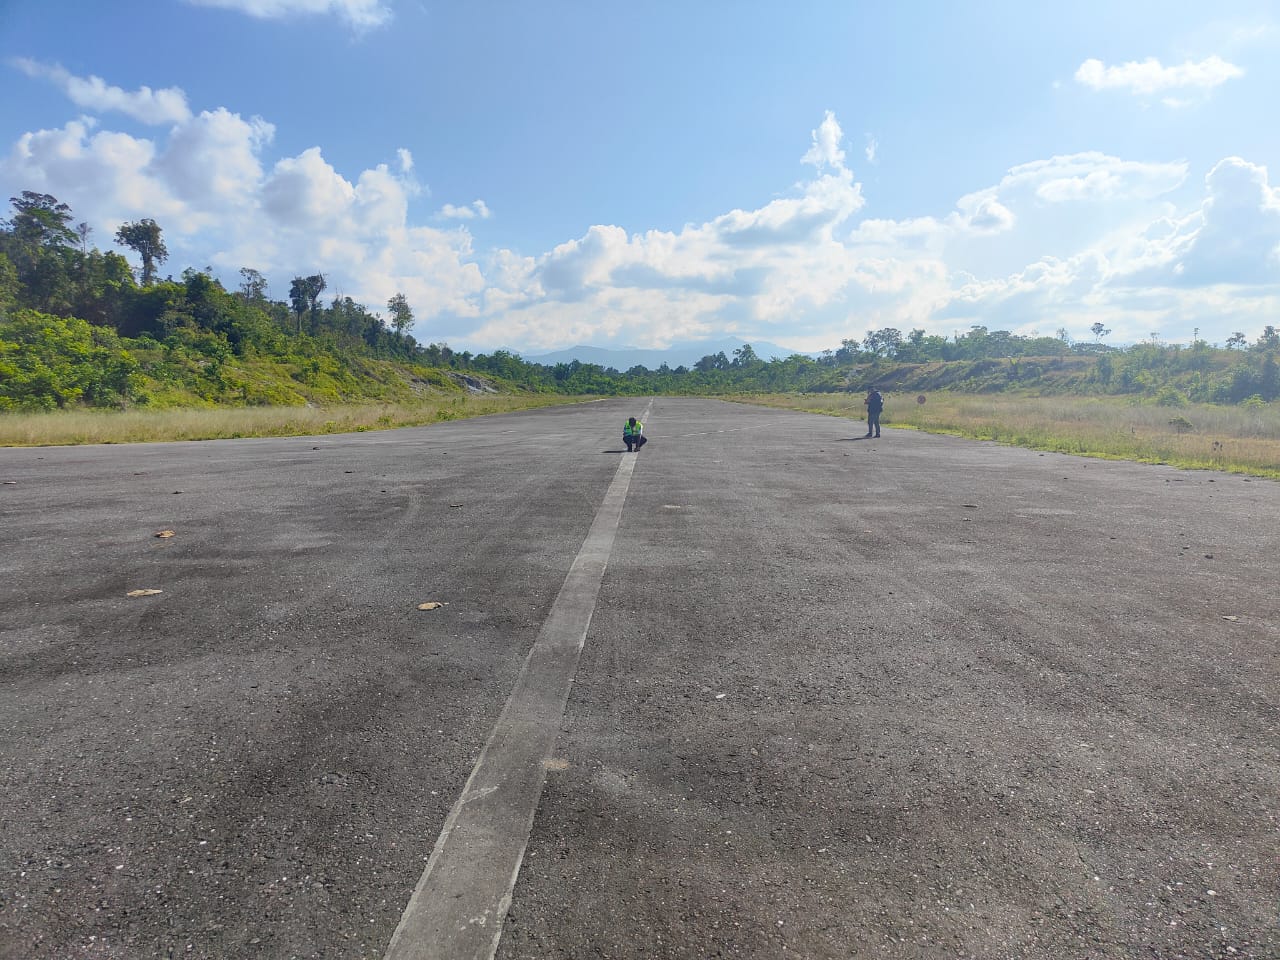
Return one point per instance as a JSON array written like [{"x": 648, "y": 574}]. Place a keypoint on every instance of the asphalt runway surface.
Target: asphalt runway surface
[{"x": 917, "y": 697}]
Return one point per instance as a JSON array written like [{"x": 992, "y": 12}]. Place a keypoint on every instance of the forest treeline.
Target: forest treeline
[{"x": 80, "y": 327}]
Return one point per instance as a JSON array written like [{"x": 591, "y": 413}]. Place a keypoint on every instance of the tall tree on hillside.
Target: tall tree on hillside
[
  {"x": 254, "y": 287},
  {"x": 1099, "y": 331},
  {"x": 401, "y": 313},
  {"x": 38, "y": 243},
  {"x": 304, "y": 295},
  {"x": 143, "y": 238},
  {"x": 298, "y": 298},
  {"x": 39, "y": 219}
]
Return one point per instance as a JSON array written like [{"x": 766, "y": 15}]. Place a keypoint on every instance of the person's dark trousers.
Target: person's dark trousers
[
  {"x": 873, "y": 422},
  {"x": 637, "y": 442},
  {"x": 641, "y": 441}
]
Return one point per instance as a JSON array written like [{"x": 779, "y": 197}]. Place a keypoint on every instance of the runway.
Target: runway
[{"x": 918, "y": 697}]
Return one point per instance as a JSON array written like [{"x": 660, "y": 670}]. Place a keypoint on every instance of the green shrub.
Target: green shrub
[{"x": 49, "y": 362}]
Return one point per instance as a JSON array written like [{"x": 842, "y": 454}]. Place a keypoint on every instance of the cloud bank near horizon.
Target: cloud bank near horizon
[{"x": 1061, "y": 242}]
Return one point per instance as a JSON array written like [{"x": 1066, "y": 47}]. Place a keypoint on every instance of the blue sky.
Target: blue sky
[{"x": 535, "y": 176}]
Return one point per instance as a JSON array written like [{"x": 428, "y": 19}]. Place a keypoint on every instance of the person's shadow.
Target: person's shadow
[{"x": 617, "y": 451}]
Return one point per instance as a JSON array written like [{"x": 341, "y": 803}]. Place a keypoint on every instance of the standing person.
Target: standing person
[
  {"x": 874, "y": 404},
  {"x": 633, "y": 434}
]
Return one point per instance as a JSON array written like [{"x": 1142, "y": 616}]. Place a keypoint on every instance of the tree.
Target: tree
[
  {"x": 1104, "y": 369},
  {"x": 41, "y": 220},
  {"x": 745, "y": 356},
  {"x": 298, "y": 298},
  {"x": 8, "y": 284},
  {"x": 883, "y": 343},
  {"x": 353, "y": 320},
  {"x": 401, "y": 313},
  {"x": 712, "y": 361},
  {"x": 143, "y": 238},
  {"x": 1236, "y": 341},
  {"x": 919, "y": 348},
  {"x": 847, "y": 353},
  {"x": 254, "y": 285},
  {"x": 1270, "y": 338},
  {"x": 304, "y": 294},
  {"x": 1099, "y": 331},
  {"x": 1269, "y": 379},
  {"x": 971, "y": 345}
]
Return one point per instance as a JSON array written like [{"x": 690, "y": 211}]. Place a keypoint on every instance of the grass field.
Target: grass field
[
  {"x": 140, "y": 426},
  {"x": 1240, "y": 439}
]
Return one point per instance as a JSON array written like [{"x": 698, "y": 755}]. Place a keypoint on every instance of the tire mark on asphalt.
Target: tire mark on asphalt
[{"x": 458, "y": 907}]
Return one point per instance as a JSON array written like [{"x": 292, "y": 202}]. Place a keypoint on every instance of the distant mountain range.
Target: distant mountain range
[{"x": 677, "y": 355}]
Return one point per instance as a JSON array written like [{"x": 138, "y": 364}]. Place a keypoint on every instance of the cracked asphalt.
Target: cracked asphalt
[{"x": 918, "y": 697}]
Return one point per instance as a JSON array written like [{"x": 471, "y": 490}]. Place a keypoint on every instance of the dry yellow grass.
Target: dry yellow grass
[
  {"x": 1235, "y": 439},
  {"x": 141, "y": 426}
]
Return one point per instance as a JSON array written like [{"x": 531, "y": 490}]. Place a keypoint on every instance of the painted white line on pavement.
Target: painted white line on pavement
[{"x": 458, "y": 908}]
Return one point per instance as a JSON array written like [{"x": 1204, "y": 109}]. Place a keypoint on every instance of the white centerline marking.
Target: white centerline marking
[{"x": 459, "y": 905}]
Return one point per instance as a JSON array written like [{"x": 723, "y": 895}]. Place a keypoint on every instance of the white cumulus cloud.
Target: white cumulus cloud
[
  {"x": 471, "y": 211},
  {"x": 983, "y": 213},
  {"x": 1238, "y": 240},
  {"x": 106, "y": 176},
  {"x": 1095, "y": 176},
  {"x": 220, "y": 202},
  {"x": 1150, "y": 76},
  {"x": 1064, "y": 241},
  {"x": 94, "y": 94},
  {"x": 213, "y": 158},
  {"x": 305, "y": 192},
  {"x": 826, "y": 150}
]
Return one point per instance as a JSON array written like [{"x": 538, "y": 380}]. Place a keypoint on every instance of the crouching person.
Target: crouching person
[{"x": 633, "y": 435}]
